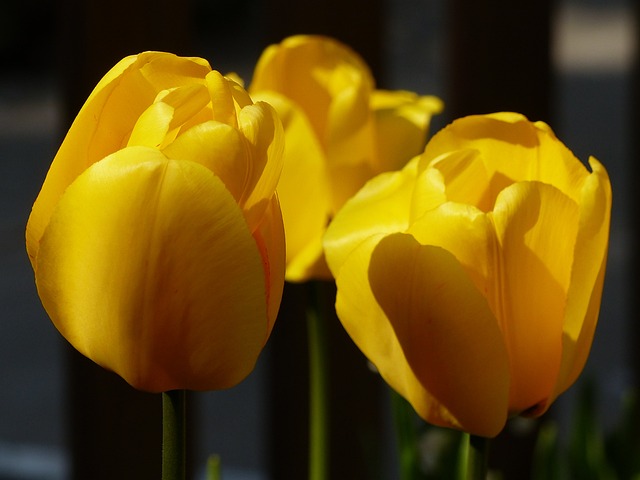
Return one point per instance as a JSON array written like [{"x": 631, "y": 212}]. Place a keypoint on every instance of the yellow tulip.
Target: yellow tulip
[
  {"x": 157, "y": 239},
  {"x": 472, "y": 278},
  {"x": 340, "y": 132}
]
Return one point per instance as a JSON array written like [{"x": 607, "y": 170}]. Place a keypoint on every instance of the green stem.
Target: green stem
[
  {"x": 214, "y": 469},
  {"x": 318, "y": 416},
  {"x": 173, "y": 435},
  {"x": 406, "y": 437},
  {"x": 477, "y": 458}
]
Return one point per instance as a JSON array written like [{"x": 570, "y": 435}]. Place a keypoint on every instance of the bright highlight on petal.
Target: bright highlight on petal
[{"x": 135, "y": 245}]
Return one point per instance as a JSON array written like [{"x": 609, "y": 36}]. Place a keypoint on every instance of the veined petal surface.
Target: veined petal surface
[
  {"x": 473, "y": 278},
  {"x": 261, "y": 127},
  {"x": 536, "y": 226},
  {"x": 139, "y": 270},
  {"x": 104, "y": 124},
  {"x": 587, "y": 276}
]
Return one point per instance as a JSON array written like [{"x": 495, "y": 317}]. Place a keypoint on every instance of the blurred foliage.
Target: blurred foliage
[
  {"x": 585, "y": 452},
  {"x": 590, "y": 453}
]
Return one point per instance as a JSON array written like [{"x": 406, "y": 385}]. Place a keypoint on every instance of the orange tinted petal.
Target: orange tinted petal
[
  {"x": 536, "y": 226},
  {"x": 262, "y": 129},
  {"x": 446, "y": 330},
  {"x": 270, "y": 238},
  {"x": 587, "y": 276},
  {"x": 303, "y": 189},
  {"x": 369, "y": 328}
]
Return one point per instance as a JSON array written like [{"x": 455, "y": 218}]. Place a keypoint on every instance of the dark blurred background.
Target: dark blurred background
[{"x": 571, "y": 63}]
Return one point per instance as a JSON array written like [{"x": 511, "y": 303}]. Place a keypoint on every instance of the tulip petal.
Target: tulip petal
[
  {"x": 587, "y": 276},
  {"x": 152, "y": 126},
  {"x": 429, "y": 191},
  {"x": 350, "y": 135},
  {"x": 161, "y": 122},
  {"x": 220, "y": 148},
  {"x": 103, "y": 124},
  {"x": 401, "y": 124},
  {"x": 514, "y": 149},
  {"x": 224, "y": 109},
  {"x": 381, "y": 206},
  {"x": 188, "y": 101},
  {"x": 465, "y": 232},
  {"x": 536, "y": 227},
  {"x": 140, "y": 246},
  {"x": 302, "y": 68},
  {"x": 303, "y": 189},
  {"x": 367, "y": 325},
  {"x": 449, "y": 360},
  {"x": 270, "y": 237},
  {"x": 466, "y": 179},
  {"x": 261, "y": 127}
]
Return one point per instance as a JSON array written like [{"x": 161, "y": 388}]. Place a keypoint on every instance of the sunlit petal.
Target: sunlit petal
[
  {"x": 224, "y": 109},
  {"x": 105, "y": 121},
  {"x": 465, "y": 232},
  {"x": 587, "y": 276},
  {"x": 401, "y": 124},
  {"x": 152, "y": 126},
  {"x": 187, "y": 101},
  {"x": 130, "y": 271},
  {"x": 465, "y": 178},
  {"x": 220, "y": 148},
  {"x": 513, "y": 149},
  {"x": 382, "y": 206},
  {"x": 305, "y": 216},
  {"x": 301, "y": 68},
  {"x": 536, "y": 225},
  {"x": 261, "y": 127}
]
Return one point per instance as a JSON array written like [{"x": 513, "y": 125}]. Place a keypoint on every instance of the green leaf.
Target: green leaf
[
  {"x": 546, "y": 456},
  {"x": 587, "y": 460},
  {"x": 623, "y": 444}
]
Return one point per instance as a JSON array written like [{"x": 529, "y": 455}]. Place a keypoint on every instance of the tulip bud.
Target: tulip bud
[
  {"x": 157, "y": 239},
  {"x": 472, "y": 278},
  {"x": 340, "y": 132}
]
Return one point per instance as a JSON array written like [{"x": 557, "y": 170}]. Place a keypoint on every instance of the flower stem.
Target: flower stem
[
  {"x": 318, "y": 415},
  {"x": 406, "y": 437},
  {"x": 173, "y": 435},
  {"x": 477, "y": 458},
  {"x": 214, "y": 468}
]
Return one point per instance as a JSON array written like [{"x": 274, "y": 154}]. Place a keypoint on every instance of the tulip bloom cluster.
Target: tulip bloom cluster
[
  {"x": 340, "y": 131},
  {"x": 157, "y": 239},
  {"x": 472, "y": 278}
]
